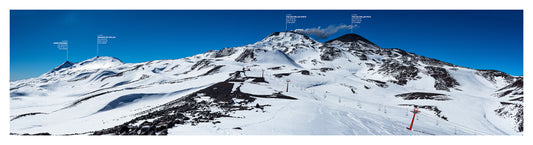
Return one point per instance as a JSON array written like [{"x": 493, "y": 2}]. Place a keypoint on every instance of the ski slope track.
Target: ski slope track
[{"x": 285, "y": 84}]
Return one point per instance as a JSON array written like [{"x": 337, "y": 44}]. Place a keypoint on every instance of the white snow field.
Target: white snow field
[{"x": 346, "y": 86}]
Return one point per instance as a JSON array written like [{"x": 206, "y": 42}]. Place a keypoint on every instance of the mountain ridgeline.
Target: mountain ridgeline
[{"x": 249, "y": 90}]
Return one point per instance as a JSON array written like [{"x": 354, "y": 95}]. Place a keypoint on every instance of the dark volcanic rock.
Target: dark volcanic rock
[
  {"x": 519, "y": 83},
  {"x": 515, "y": 111},
  {"x": 443, "y": 80},
  {"x": 246, "y": 56},
  {"x": 257, "y": 80},
  {"x": 378, "y": 83},
  {"x": 325, "y": 69},
  {"x": 423, "y": 96},
  {"x": 400, "y": 72},
  {"x": 44, "y": 133},
  {"x": 513, "y": 108},
  {"x": 492, "y": 74},
  {"x": 201, "y": 64},
  {"x": 26, "y": 114},
  {"x": 305, "y": 72},
  {"x": 351, "y": 38},
  {"x": 273, "y": 34},
  {"x": 329, "y": 53},
  {"x": 281, "y": 75},
  {"x": 275, "y": 68},
  {"x": 194, "y": 108},
  {"x": 225, "y": 52},
  {"x": 434, "y": 62},
  {"x": 66, "y": 64},
  {"x": 214, "y": 70}
]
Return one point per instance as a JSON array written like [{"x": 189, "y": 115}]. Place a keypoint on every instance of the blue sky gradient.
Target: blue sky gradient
[{"x": 480, "y": 39}]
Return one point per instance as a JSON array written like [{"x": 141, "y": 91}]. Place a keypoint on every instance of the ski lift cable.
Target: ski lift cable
[
  {"x": 421, "y": 113},
  {"x": 464, "y": 128}
]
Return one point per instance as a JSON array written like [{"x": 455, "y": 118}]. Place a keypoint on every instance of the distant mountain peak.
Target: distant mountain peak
[
  {"x": 92, "y": 63},
  {"x": 287, "y": 34},
  {"x": 351, "y": 37},
  {"x": 101, "y": 59},
  {"x": 352, "y": 41},
  {"x": 66, "y": 64},
  {"x": 97, "y": 62},
  {"x": 285, "y": 41}
]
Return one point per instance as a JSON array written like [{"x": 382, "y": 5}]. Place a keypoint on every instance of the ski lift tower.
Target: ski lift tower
[
  {"x": 412, "y": 121},
  {"x": 288, "y": 80}
]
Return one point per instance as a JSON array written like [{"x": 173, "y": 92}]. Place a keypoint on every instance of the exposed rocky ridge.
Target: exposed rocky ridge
[
  {"x": 353, "y": 38},
  {"x": 443, "y": 80},
  {"x": 423, "y": 96},
  {"x": 514, "y": 111},
  {"x": 287, "y": 42},
  {"x": 513, "y": 106},
  {"x": 402, "y": 65},
  {"x": 492, "y": 74},
  {"x": 402, "y": 73},
  {"x": 66, "y": 64},
  {"x": 198, "y": 107}
]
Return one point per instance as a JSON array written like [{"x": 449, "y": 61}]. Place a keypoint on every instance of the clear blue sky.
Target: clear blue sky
[{"x": 475, "y": 39}]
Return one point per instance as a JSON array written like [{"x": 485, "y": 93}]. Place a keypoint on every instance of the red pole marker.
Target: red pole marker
[
  {"x": 263, "y": 73},
  {"x": 412, "y": 121},
  {"x": 287, "y": 85}
]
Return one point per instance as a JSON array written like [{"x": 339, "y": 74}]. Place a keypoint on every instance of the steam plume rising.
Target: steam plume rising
[{"x": 323, "y": 33}]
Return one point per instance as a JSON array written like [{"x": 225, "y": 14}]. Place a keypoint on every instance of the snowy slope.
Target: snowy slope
[{"x": 347, "y": 86}]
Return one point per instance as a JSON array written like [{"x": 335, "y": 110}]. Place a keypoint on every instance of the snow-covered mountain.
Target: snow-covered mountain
[{"x": 285, "y": 84}]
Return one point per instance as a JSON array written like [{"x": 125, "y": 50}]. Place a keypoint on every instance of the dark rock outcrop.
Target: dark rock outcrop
[
  {"x": 423, "y": 96},
  {"x": 443, "y": 80}
]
